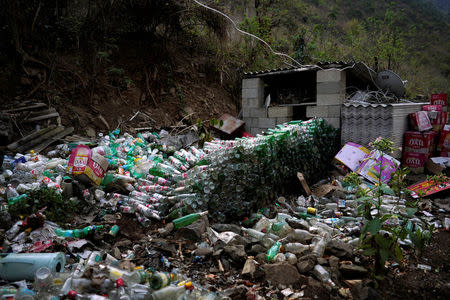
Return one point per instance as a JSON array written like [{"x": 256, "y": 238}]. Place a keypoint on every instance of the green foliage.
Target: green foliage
[
  {"x": 379, "y": 239},
  {"x": 398, "y": 182},
  {"x": 57, "y": 209},
  {"x": 420, "y": 237}
]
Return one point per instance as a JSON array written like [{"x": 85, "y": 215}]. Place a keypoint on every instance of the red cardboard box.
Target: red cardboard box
[
  {"x": 419, "y": 142},
  {"x": 420, "y": 121},
  {"x": 439, "y": 99},
  {"x": 444, "y": 142},
  {"x": 432, "y": 107},
  {"x": 415, "y": 161}
]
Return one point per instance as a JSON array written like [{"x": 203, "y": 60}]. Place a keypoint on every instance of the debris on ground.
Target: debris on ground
[{"x": 127, "y": 217}]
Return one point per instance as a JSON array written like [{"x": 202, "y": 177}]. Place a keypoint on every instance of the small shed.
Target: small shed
[{"x": 276, "y": 96}]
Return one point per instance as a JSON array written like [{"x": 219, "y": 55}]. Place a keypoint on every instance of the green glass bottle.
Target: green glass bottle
[
  {"x": 187, "y": 220},
  {"x": 273, "y": 251}
]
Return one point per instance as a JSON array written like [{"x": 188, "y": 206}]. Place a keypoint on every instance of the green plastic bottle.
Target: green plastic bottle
[
  {"x": 17, "y": 199},
  {"x": 273, "y": 251},
  {"x": 187, "y": 220}
]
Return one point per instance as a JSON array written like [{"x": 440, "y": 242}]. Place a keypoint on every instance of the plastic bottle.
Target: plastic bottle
[
  {"x": 169, "y": 292},
  {"x": 136, "y": 276},
  {"x": 273, "y": 251},
  {"x": 187, "y": 220},
  {"x": 320, "y": 245},
  {"x": 281, "y": 229},
  {"x": 159, "y": 280},
  {"x": 297, "y": 248},
  {"x": 300, "y": 235},
  {"x": 14, "y": 230},
  {"x": 119, "y": 293},
  {"x": 11, "y": 192},
  {"x": 323, "y": 275}
]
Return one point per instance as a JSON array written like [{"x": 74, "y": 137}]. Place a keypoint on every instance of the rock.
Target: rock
[
  {"x": 193, "y": 231},
  {"x": 291, "y": 258},
  {"x": 225, "y": 264},
  {"x": 236, "y": 252},
  {"x": 298, "y": 223},
  {"x": 166, "y": 230},
  {"x": 339, "y": 249},
  {"x": 322, "y": 261},
  {"x": 203, "y": 251},
  {"x": 306, "y": 263},
  {"x": 257, "y": 248},
  {"x": 227, "y": 227},
  {"x": 339, "y": 194},
  {"x": 116, "y": 253},
  {"x": 280, "y": 257},
  {"x": 261, "y": 258},
  {"x": 333, "y": 261},
  {"x": 90, "y": 132},
  {"x": 352, "y": 271},
  {"x": 281, "y": 273},
  {"x": 249, "y": 267},
  {"x": 239, "y": 240},
  {"x": 237, "y": 292}
]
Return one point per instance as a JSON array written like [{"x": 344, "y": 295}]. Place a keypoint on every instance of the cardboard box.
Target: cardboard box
[
  {"x": 430, "y": 107},
  {"x": 351, "y": 155},
  {"x": 370, "y": 167},
  {"x": 84, "y": 162},
  {"x": 443, "y": 147},
  {"x": 415, "y": 161},
  {"x": 420, "y": 121},
  {"x": 419, "y": 142},
  {"x": 439, "y": 99}
]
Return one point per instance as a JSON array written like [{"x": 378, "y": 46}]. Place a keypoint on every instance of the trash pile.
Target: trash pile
[
  {"x": 140, "y": 212},
  {"x": 429, "y": 138}
]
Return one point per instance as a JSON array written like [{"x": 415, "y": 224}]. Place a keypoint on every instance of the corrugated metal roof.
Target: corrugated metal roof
[
  {"x": 318, "y": 66},
  {"x": 358, "y": 69}
]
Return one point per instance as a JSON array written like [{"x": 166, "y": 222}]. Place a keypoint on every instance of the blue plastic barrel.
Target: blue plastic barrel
[{"x": 20, "y": 266}]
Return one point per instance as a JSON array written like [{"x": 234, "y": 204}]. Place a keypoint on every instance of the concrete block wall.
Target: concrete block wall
[
  {"x": 330, "y": 96},
  {"x": 256, "y": 117}
]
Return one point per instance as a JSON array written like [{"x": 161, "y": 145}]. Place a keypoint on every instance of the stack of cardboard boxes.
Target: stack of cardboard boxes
[{"x": 430, "y": 129}]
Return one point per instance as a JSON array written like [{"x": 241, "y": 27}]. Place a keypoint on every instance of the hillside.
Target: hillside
[
  {"x": 409, "y": 37},
  {"x": 176, "y": 61}
]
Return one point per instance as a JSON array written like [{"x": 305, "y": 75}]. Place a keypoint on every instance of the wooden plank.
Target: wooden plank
[
  {"x": 48, "y": 116},
  {"x": 29, "y": 137},
  {"x": 53, "y": 139},
  {"x": 304, "y": 184},
  {"x": 31, "y": 107},
  {"x": 39, "y": 139},
  {"x": 300, "y": 104},
  {"x": 42, "y": 112}
]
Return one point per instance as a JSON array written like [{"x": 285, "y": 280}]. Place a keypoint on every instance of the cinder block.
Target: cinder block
[
  {"x": 252, "y": 83},
  {"x": 330, "y": 75},
  {"x": 335, "y": 122},
  {"x": 283, "y": 120},
  {"x": 317, "y": 111},
  {"x": 255, "y": 130},
  {"x": 334, "y": 111},
  {"x": 258, "y": 113},
  {"x": 246, "y": 112},
  {"x": 250, "y": 122},
  {"x": 251, "y": 102},
  {"x": 249, "y": 93},
  {"x": 337, "y": 87},
  {"x": 280, "y": 111},
  {"x": 330, "y": 99},
  {"x": 267, "y": 122}
]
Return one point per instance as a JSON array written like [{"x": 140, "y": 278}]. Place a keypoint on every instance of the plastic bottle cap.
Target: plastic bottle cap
[
  {"x": 72, "y": 294},
  {"x": 120, "y": 282}
]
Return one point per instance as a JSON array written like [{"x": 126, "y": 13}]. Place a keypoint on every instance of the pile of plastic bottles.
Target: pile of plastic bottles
[{"x": 106, "y": 280}]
